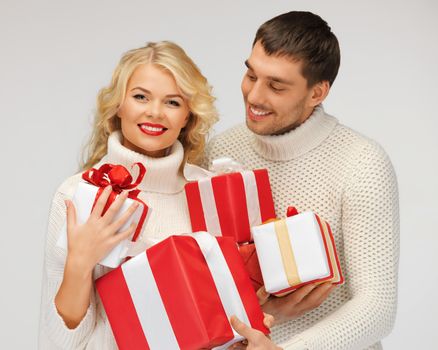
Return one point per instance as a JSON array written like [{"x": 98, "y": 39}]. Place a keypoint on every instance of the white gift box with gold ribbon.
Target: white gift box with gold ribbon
[{"x": 296, "y": 251}]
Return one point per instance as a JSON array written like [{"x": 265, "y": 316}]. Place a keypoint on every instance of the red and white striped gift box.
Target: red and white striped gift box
[
  {"x": 230, "y": 204},
  {"x": 180, "y": 294}
]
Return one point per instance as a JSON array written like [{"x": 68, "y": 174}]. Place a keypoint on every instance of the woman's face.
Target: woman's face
[{"x": 154, "y": 111}]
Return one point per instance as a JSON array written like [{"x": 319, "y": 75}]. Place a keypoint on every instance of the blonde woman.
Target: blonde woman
[{"x": 157, "y": 110}]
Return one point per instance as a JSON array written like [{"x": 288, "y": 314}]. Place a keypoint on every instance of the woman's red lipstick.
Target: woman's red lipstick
[{"x": 152, "y": 129}]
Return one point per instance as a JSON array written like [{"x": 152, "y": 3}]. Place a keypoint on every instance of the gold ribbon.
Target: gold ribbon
[{"x": 287, "y": 254}]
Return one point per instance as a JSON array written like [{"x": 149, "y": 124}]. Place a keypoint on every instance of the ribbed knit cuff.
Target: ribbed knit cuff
[
  {"x": 65, "y": 337},
  {"x": 294, "y": 344}
]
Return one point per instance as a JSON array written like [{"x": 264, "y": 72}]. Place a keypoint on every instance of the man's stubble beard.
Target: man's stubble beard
[{"x": 272, "y": 130}]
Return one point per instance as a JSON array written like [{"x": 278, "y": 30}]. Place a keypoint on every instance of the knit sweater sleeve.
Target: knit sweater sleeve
[
  {"x": 54, "y": 334},
  {"x": 370, "y": 225}
]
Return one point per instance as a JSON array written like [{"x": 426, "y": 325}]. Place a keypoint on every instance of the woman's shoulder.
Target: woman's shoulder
[{"x": 68, "y": 186}]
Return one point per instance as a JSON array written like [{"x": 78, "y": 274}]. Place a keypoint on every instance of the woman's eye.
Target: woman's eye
[
  {"x": 140, "y": 97},
  {"x": 174, "y": 103}
]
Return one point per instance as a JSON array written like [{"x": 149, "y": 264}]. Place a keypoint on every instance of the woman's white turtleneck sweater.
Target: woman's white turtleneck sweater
[
  {"x": 349, "y": 181},
  {"x": 161, "y": 189}
]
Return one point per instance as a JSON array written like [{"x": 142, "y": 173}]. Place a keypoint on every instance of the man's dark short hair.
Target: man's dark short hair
[{"x": 305, "y": 37}]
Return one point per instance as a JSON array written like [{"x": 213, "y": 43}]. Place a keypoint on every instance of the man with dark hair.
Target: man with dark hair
[{"x": 315, "y": 163}]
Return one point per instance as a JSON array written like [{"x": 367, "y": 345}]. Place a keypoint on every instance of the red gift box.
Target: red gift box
[
  {"x": 179, "y": 294},
  {"x": 252, "y": 265},
  {"x": 230, "y": 204}
]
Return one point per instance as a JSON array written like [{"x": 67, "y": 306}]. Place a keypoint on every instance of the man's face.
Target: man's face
[{"x": 276, "y": 95}]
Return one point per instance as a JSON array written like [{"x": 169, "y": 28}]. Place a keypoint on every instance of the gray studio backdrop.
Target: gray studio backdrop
[{"x": 55, "y": 55}]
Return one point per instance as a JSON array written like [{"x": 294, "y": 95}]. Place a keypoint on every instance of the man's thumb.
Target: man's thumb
[
  {"x": 239, "y": 326},
  {"x": 262, "y": 295}
]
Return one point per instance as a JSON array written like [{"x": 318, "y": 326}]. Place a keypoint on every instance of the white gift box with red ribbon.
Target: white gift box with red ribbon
[
  {"x": 83, "y": 200},
  {"x": 87, "y": 193}
]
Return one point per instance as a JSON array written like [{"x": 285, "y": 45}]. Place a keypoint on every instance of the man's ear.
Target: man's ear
[{"x": 318, "y": 93}]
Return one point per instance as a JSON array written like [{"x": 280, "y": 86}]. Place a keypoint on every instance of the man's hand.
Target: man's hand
[
  {"x": 255, "y": 340},
  {"x": 296, "y": 303}
]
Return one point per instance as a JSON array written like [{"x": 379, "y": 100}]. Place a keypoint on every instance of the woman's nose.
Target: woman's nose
[{"x": 154, "y": 109}]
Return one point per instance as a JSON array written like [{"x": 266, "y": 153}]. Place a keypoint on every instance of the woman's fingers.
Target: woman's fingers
[
  {"x": 71, "y": 215},
  {"x": 115, "y": 207},
  {"x": 117, "y": 224},
  {"x": 97, "y": 211},
  {"x": 117, "y": 238}
]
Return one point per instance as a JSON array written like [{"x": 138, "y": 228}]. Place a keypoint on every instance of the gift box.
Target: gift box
[
  {"x": 229, "y": 204},
  {"x": 252, "y": 265},
  {"x": 180, "y": 294},
  {"x": 296, "y": 251},
  {"x": 89, "y": 190}
]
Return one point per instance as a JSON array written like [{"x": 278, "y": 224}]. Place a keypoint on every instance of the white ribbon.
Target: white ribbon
[
  {"x": 149, "y": 305},
  {"x": 225, "y": 165},
  {"x": 252, "y": 198},
  {"x": 222, "y": 165},
  {"x": 209, "y": 207},
  {"x": 195, "y": 173}
]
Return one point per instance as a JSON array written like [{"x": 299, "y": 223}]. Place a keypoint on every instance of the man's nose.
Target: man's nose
[{"x": 256, "y": 94}]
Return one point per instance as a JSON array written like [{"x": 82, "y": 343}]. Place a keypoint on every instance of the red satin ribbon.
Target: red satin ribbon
[
  {"x": 120, "y": 179},
  {"x": 291, "y": 211}
]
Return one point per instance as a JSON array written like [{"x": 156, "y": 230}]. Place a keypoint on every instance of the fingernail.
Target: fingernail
[
  {"x": 66, "y": 201},
  {"x": 234, "y": 317}
]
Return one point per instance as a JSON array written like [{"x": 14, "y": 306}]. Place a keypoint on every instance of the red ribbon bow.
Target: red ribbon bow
[
  {"x": 120, "y": 179},
  {"x": 115, "y": 175}
]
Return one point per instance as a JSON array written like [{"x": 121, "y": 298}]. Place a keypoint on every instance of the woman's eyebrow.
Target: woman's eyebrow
[{"x": 148, "y": 92}]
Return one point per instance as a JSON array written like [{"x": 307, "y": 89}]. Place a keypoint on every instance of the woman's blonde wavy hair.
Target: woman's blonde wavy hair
[{"x": 194, "y": 86}]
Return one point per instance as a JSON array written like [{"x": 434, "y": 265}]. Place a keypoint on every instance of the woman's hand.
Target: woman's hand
[
  {"x": 88, "y": 243},
  {"x": 255, "y": 340}
]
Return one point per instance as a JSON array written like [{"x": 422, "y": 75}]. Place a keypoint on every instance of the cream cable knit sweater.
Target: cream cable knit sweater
[
  {"x": 163, "y": 190},
  {"x": 349, "y": 181}
]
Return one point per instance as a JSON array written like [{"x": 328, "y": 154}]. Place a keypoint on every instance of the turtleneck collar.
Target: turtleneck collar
[
  {"x": 298, "y": 141},
  {"x": 163, "y": 174}
]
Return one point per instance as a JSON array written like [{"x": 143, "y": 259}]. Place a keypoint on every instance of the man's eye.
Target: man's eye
[
  {"x": 251, "y": 77},
  {"x": 174, "y": 103},
  {"x": 140, "y": 97},
  {"x": 276, "y": 88}
]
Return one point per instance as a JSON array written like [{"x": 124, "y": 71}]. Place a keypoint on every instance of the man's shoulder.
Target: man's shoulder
[{"x": 355, "y": 144}]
